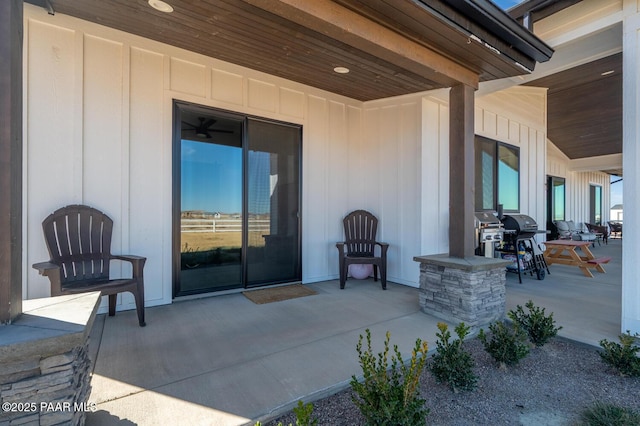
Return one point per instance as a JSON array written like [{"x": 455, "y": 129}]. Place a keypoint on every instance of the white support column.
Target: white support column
[{"x": 630, "y": 163}]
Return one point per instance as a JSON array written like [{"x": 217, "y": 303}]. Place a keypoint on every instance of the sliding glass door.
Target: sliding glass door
[
  {"x": 555, "y": 204},
  {"x": 273, "y": 200},
  {"x": 236, "y": 201},
  {"x": 595, "y": 204}
]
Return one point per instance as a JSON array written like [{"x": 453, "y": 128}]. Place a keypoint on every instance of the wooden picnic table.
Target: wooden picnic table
[{"x": 564, "y": 252}]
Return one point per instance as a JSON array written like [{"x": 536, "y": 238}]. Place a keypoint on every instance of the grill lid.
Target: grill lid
[
  {"x": 520, "y": 223},
  {"x": 487, "y": 219}
]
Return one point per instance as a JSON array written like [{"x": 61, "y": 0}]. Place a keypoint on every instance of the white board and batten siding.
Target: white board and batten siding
[
  {"x": 98, "y": 120},
  {"x": 577, "y": 195},
  {"x": 518, "y": 117},
  {"x": 411, "y": 191},
  {"x": 98, "y": 131},
  {"x": 631, "y": 160}
]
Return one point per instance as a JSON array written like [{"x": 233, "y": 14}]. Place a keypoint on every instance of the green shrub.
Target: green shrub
[
  {"x": 623, "y": 357},
  {"x": 389, "y": 396},
  {"x": 601, "y": 414},
  {"x": 539, "y": 327},
  {"x": 452, "y": 364},
  {"x": 507, "y": 345},
  {"x": 303, "y": 414}
]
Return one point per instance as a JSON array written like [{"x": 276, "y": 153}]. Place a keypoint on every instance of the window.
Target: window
[
  {"x": 555, "y": 199},
  {"x": 497, "y": 175},
  {"x": 555, "y": 203},
  {"x": 595, "y": 209}
]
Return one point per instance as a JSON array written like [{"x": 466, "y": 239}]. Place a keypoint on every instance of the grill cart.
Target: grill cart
[
  {"x": 489, "y": 231},
  {"x": 521, "y": 247}
]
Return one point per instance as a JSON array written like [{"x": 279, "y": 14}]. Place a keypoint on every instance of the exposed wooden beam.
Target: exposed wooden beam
[
  {"x": 340, "y": 23},
  {"x": 461, "y": 172},
  {"x": 10, "y": 160}
]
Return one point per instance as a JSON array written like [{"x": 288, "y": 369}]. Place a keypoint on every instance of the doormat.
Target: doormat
[{"x": 277, "y": 294}]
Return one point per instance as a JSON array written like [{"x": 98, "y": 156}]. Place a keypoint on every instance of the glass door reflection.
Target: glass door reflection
[
  {"x": 211, "y": 213},
  {"x": 236, "y": 204},
  {"x": 555, "y": 204}
]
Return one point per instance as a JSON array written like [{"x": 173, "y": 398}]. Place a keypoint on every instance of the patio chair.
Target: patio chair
[
  {"x": 79, "y": 242},
  {"x": 567, "y": 231},
  {"x": 616, "y": 229},
  {"x": 602, "y": 232},
  {"x": 360, "y": 229}
]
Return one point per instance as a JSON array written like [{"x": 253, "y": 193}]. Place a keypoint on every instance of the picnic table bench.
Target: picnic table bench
[{"x": 564, "y": 252}]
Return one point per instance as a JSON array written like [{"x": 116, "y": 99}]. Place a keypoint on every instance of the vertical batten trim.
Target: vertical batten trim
[
  {"x": 125, "y": 153},
  {"x": 78, "y": 120}
]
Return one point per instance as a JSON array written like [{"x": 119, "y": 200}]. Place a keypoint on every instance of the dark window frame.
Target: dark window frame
[
  {"x": 594, "y": 209},
  {"x": 179, "y": 106},
  {"x": 494, "y": 147},
  {"x": 554, "y": 182}
]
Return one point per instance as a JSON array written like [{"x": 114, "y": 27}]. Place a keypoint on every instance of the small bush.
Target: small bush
[
  {"x": 303, "y": 414},
  {"x": 601, "y": 414},
  {"x": 452, "y": 364},
  {"x": 507, "y": 345},
  {"x": 539, "y": 327},
  {"x": 390, "y": 396},
  {"x": 622, "y": 356}
]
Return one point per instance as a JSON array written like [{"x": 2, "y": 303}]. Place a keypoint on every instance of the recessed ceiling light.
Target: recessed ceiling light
[
  {"x": 341, "y": 70},
  {"x": 161, "y": 6},
  {"x": 607, "y": 72}
]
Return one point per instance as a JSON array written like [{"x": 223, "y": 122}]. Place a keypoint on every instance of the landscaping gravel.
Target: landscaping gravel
[{"x": 551, "y": 386}]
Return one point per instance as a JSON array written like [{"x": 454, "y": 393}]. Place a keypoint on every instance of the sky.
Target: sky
[
  {"x": 616, "y": 191},
  {"x": 506, "y": 4},
  {"x": 212, "y": 178}
]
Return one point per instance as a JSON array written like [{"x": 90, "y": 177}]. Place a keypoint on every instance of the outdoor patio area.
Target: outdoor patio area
[{"x": 227, "y": 361}]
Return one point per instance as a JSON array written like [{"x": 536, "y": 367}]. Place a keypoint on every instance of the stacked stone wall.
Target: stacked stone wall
[
  {"x": 475, "y": 296},
  {"x": 45, "y": 367},
  {"x": 50, "y": 390}
]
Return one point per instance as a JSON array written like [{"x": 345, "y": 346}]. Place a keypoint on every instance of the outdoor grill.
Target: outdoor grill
[
  {"x": 521, "y": 246},
  {"x": 489, "y": 230},
  {"x": 521, "y": 225}
]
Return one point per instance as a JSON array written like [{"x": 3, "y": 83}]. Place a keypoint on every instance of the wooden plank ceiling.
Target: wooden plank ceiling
[
  {"x": 584, "y": 108},
  {"x": 584, "y": 103},
  {"x": 391, "y": 47}
]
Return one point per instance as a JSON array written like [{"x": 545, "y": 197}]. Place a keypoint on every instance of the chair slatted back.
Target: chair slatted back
[
  {"x": 615, "y": 226},
  {"x": 360, "y": 229},
  {"x": 79, "y": 240}
]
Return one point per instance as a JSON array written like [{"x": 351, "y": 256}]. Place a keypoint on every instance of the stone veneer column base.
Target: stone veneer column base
[
  {"x": 45, "y": 370},
  {"x": 470, "y": 290}
]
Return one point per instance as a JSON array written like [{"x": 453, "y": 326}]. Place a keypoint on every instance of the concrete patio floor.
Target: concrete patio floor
[{"x": 226, "y": 361}]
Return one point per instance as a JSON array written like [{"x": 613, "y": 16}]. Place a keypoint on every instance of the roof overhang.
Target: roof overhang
[{"x": 391, "y": 47}]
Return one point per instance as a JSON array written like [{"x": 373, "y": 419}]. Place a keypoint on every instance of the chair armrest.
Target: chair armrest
[
  {"x": 128, "y": 257},
  {"x": 45, "y": 267},
  {"x": 340, "y": 247},
  {"x": 52, "y": 271},
  {"x": 383, "y": 248},
  {"x": 137, "y": 262}
]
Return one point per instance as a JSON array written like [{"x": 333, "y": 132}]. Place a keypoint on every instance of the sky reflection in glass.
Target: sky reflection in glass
[{"x": 211, "y": 177}]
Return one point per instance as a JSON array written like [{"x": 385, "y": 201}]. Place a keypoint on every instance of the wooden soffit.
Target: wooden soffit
[
  {"x": 391, "y": 47},
  {"x": 584, "y": 108}
]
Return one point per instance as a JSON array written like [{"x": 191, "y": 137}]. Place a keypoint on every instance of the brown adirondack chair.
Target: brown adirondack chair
[
  {"x": 360, "y": 229},
  {"x": 602, "y": 232},
  {"x": 616, "y": 229},
  {"x": 79, "y": 241}
]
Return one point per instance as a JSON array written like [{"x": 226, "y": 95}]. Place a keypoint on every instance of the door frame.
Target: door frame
[
  {"x": 176, "y": 197},
  {"x": 551, "y": 204}
]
